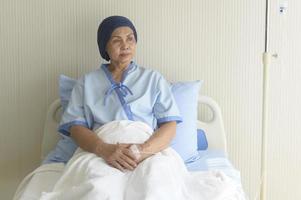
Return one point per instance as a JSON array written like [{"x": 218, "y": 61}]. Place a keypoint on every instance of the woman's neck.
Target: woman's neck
[
  {"x": 117, "y": 70},
  {"x": 117, "y": 67}
]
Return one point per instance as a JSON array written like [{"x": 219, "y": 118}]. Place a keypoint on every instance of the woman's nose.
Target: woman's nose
[{"x": 124, "y": 45}]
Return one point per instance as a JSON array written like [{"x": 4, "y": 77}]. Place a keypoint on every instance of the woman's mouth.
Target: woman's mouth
[{"x": 124, "y": 54}]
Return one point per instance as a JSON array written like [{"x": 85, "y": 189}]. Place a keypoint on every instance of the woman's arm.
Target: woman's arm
[
  {"x": 160, "y": 140},
  {"x": 117, "y": 155},
  {"x": 86, "y": 139}
]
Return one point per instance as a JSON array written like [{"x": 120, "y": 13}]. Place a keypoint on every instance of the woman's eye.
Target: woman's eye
[
  {"x": 116, "y": 41},
  {"x": 131, "y": 39}
]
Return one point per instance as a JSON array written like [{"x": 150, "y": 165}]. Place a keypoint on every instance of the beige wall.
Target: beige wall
[{"x": 218, "y": 41}]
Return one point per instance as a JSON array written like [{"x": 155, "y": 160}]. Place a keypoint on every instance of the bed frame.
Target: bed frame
[{"x": 214, "y": 129}]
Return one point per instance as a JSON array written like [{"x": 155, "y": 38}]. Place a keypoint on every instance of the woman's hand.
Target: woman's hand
[
  {"x": 118, "y": 156},
  {"x": 139, "y": 153}
]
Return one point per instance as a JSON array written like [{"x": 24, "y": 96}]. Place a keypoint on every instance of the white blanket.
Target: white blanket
[
  {"x": 162, "y": 176},
  {"x": 41, "y": 179}
]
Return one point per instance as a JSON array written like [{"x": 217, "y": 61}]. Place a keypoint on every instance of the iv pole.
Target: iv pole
[{"x": 266, "y": 59}]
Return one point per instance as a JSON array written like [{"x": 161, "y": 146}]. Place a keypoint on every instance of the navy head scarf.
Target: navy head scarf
[{"x": 106, "y": 28}]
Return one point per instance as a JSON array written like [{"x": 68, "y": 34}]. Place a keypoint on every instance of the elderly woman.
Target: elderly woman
[{"x": 120, "y": 90}]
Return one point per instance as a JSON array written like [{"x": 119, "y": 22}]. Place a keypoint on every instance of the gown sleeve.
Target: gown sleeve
[
  {"x": 165, "y": 108},
  {"x": 74, "y": 114}
]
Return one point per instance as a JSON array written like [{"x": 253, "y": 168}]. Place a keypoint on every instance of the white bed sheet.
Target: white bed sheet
[
  {"x": 40, "y": 180},
  {"x": 44, "y": 177},
  {"x": 215, "y": 160}
]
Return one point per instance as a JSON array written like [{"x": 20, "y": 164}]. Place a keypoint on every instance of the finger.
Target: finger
[
  {"x": 117, "y": 165},
  {"x": 126, "y": 151},
  {"x": 130, "y": 154},
  {"x": 125, "y": 164},
  {"x": 125, "y": 145},
  {"x": 129, "y": 160}
]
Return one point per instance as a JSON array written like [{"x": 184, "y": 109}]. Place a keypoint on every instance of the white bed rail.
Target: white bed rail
[
  {"x": 214, "y": 129},
  {"x": 51, "y": 136}
]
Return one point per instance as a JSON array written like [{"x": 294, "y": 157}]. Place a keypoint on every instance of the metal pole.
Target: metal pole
[
  {"x": 267, "y": 24},
  {"x": 266, "y": 65}
]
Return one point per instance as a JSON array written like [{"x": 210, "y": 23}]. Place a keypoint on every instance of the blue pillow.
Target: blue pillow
[
  {"x": 66, "y": 146},
  {"x": 202, "y": 140},
  {"x": 185, "y": 142},
  {"x": 66, "y": 85},
  {"x": 186, "y": 95},
  {"x": 63, "y": 151}
]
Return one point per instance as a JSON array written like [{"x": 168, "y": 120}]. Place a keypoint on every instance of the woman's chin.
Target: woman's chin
[{"x": 125, "y": 59}]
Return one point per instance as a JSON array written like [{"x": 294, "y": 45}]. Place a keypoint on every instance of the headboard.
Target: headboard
[{"x": 214, "y": 129}]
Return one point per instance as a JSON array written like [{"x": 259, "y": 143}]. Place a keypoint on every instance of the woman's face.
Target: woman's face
[{"x": 121, "y": 47}]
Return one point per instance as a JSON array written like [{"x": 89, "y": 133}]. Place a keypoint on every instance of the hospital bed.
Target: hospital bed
[{"x": 215, "y": 157}]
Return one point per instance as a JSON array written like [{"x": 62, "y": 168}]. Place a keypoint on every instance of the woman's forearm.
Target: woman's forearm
[
  {"x": 118, "y": 156},
  {"x": 160, "y": 139},
  {"x": 86, "y": 139}
]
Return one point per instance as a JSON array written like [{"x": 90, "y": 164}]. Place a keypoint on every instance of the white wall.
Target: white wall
[
  {"x": 218, "y": 41},
  {"x": 284, "y": 160}
]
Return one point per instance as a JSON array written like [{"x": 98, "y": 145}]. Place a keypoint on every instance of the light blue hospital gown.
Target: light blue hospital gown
[{"x": 142, "y": 95}]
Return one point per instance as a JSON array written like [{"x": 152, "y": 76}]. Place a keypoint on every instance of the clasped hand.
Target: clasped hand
[{"x": 121, "y": 157}]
